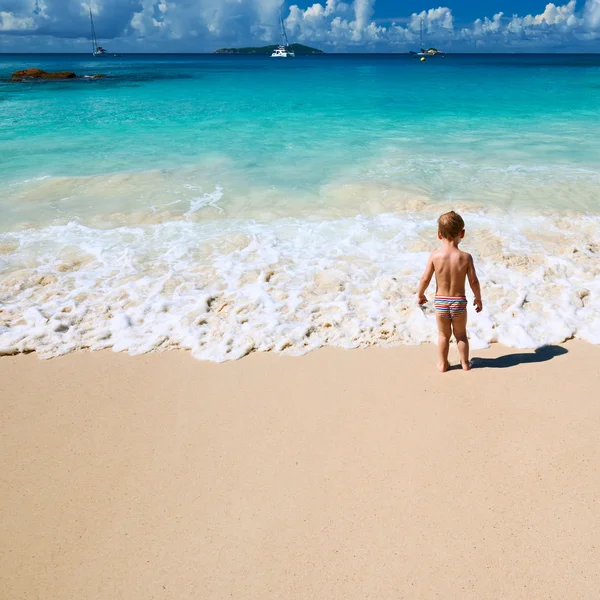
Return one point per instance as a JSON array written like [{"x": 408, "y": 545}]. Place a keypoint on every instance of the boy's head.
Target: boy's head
[{"x": 451, "y": 226}]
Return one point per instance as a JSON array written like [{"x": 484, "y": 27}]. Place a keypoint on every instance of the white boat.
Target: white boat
[
  {"x": 283, "y": 50},
  {"x": 96, "y": 50}
]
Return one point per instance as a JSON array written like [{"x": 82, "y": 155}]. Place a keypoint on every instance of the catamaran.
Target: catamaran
[
  {"x": 283, "y": 51},
  {"x": 96, "y": 50},
  {"x": 426, "y": 52}
]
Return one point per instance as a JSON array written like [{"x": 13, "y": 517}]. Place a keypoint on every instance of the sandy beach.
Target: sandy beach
[{"x": 340, "y": 474}]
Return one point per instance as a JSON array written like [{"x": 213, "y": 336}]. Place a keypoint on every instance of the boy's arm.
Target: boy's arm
[
  {"x": 474, "y": 283},
  {"x": 425, "y": 281}
]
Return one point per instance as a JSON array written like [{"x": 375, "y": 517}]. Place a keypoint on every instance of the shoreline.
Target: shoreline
[{"x": 337, "y": 474}]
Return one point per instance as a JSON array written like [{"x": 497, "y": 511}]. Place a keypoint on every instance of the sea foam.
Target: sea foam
[{"x": 224, "y": 288}]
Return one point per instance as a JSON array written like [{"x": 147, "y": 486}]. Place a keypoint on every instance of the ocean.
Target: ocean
[{"x": 231, "y": 204}]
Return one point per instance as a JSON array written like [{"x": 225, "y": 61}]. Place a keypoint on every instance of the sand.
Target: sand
[{"x": 340, "y": 474}]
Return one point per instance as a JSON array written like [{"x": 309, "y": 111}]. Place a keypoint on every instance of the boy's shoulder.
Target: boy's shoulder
[
  {"x": 442, "y": 256},
  {"x": 465, "y": 259},
  {"x": 440, "y": 252},
  {"x": 435, "y": 255}
]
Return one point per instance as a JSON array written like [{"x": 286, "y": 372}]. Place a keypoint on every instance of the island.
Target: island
[{"x": 298, "y": 49}]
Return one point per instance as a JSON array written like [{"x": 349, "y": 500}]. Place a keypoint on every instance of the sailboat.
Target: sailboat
[
  {"x": 96, "y": 50},
  {"x": 283, "y": 51},
  {"x": 426, "y": 52}
]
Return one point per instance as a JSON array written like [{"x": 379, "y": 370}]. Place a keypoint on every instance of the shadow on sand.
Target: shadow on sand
[{"x": 512, "y": 360}]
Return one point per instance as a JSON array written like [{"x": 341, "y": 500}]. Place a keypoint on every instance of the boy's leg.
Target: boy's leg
[
  {"x": 459, "y": 327},
  {"x": 444, "y": 335}
]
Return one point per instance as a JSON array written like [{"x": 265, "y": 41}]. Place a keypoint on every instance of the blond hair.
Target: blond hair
[{"x": 450, "y": 225}]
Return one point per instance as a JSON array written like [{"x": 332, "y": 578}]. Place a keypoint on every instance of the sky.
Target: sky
[{"x": 331, "y": 25}]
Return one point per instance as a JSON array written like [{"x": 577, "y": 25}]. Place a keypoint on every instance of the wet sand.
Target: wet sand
[{"x": 340, "y": 474}]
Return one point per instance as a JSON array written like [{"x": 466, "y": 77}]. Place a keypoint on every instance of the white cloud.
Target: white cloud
[
  {"x": 561, "y": 17},
  {"x": 363, "y": 9},
  {"x": 591, "y": 15},
  {"x": 334, "y": 22},
  {"x": 433, "y": 19},
  {"x": 227, "y": 20},
  {"x": 486, "y": 26},
  {"x": 9, "y": 22}
]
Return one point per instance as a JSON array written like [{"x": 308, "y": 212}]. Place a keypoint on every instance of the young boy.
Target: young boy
[{"x": 451, "y": 267}]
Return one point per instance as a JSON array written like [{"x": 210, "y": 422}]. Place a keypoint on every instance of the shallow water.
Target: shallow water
[{"x": 231, "y": 204}]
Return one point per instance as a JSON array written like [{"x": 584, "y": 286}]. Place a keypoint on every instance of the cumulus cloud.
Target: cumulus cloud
[
  {"x": 234, "y": 21},
  {"x": 433, "y": 19},
  {"x": 484, "y": 27},
  {"x": 591, "y": 15},
  {"x": 10, "y": 22},
  {"x": 334, "y": 22},
  {"x": 335, "y": 25},
  {"x": 554, "y": 21}
]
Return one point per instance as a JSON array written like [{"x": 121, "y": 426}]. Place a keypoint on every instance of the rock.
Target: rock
[{"x": 39, "y": 74}]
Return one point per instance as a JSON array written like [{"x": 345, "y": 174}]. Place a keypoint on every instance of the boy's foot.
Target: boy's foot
[
  {"x": 443, "y": 367},
  {"x": 466, "y": 366}
]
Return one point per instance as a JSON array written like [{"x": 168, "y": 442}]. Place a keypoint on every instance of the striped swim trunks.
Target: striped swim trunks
[{"x": 449, "y": 308}]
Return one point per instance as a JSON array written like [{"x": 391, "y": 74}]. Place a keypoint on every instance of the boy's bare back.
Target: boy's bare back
[{"x": 452, "y": 267}]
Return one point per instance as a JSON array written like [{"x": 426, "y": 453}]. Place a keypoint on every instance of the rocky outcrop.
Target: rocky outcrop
[{"x": 39, "y": 74}]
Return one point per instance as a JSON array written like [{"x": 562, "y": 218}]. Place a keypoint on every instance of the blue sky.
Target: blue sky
[{"x": 333, "y": 25}]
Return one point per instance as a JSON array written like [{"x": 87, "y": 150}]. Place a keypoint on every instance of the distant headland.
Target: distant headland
[{"x": 298, "y": 49}]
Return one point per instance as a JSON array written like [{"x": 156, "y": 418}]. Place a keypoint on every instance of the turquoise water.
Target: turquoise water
[{"x": 244, "y": 167}]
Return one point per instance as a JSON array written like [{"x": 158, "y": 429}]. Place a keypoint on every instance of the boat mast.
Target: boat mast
[
  {"x": 284, "y": 37},
  {"x": 94, "y": 42},
  {"x": 421, "y": 34}
]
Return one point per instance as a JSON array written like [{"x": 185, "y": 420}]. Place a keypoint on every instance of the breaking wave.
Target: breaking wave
[{"x": 225, "y": 287}]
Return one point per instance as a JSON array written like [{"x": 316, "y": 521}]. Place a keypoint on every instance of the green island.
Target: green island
[{"x": 298, "y": 49}]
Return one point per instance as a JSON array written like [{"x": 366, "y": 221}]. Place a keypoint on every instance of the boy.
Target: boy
[{"x": 451, "y": 267}]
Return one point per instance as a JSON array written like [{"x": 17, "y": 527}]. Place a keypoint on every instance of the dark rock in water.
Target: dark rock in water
[{"x": 39, "y": 74}]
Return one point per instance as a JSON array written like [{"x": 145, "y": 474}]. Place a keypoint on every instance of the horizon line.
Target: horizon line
[{"x": 322, "y": 53}]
